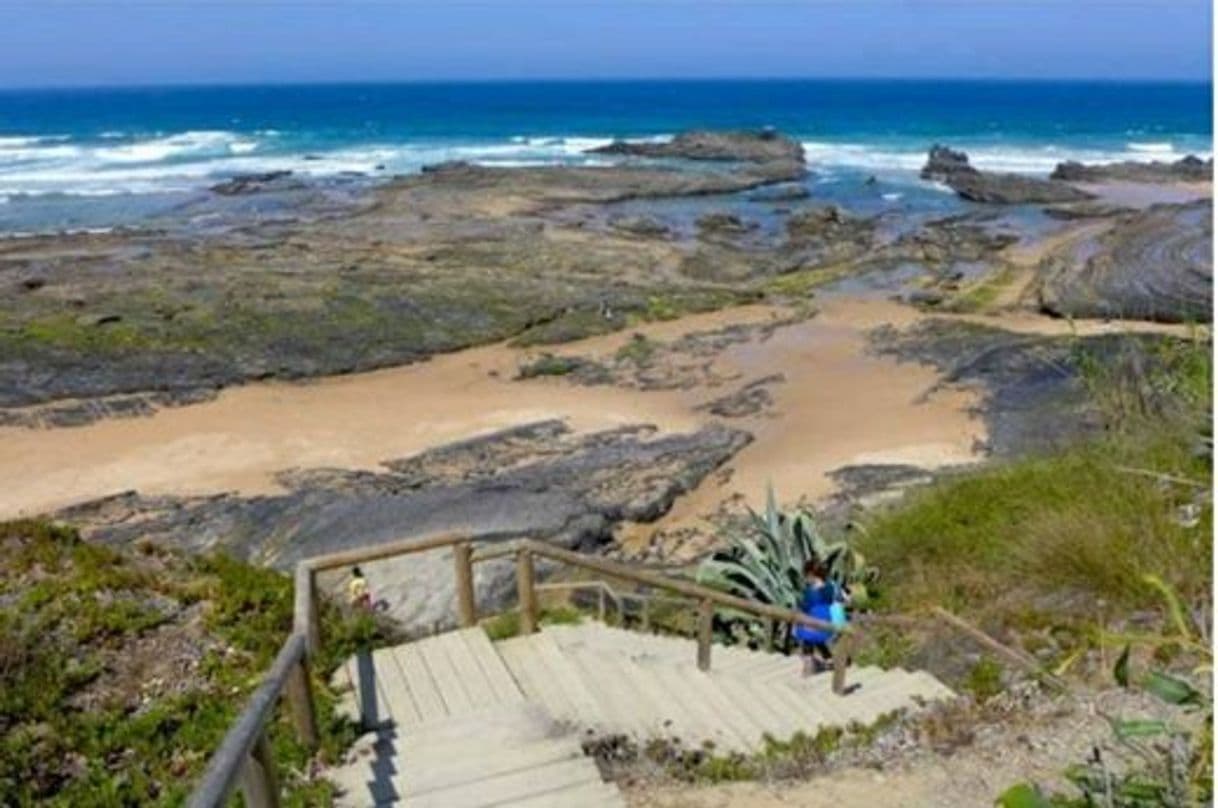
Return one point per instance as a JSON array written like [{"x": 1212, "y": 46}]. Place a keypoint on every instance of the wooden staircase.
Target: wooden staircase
[{"x": 461, "y": 721}]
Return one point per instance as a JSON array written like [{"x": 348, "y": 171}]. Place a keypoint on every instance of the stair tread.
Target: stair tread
[
  {"x": 393, "y": 683},
  {"x": 424, "y": 690},
  {"x": 528, "y": 668},
  {"x": 583, "y": 795},
  {"x": 567, "y": 679},
  {"x": 619, "y": 704},
  {"x": 439, "y": 771},
  {"x": 503, "y": 789},
  {"x": 446, "y": 675},
  {"x": 498, "y": 677}
]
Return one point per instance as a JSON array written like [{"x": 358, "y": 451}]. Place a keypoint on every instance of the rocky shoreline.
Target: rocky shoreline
[
  {"x": 539, "y": 480},
  {"x": 121, "y": 324},
  {"x": 462, "y": 255}
]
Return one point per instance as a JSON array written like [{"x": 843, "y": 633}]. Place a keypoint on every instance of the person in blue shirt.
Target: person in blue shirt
[{"x": 824, "y": 600}]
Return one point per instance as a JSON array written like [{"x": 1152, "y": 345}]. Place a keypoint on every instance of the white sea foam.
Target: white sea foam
[
  {"x": 118, "y": 162},
  {"x": 1040, "y": 159},
  {"x": 1161, "y": 148},
  {"x": 203, "y": 143}
]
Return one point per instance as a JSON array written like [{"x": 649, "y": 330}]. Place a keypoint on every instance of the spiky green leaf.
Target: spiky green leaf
[
  {"x": 1022, "y": 795},
  {"x": 1171, "y": 689},
  {"x": 1120, "y": 671}
]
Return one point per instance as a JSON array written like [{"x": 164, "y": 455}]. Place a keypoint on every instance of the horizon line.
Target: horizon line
[{"x": 183, "y": 85}]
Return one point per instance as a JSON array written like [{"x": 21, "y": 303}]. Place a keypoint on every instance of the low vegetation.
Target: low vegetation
[
  {"x": 1073, "y": 554},
  {"x": 801, "y": 756},
  {"x": 120, "y": 672},
  {"x": 548, "y": 365},
  {"x": 1077, "y": 528}
]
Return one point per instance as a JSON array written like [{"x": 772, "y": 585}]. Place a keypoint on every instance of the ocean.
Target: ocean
[{"x": 84, "y": 158}]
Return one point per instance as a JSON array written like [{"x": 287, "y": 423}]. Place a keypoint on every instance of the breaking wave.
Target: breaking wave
[{"x": 123, "y": 162}]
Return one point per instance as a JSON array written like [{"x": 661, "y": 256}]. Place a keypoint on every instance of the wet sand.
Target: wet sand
[
  {"x": 1142, "y": 195},
  {"x": 838, "y": 406}
]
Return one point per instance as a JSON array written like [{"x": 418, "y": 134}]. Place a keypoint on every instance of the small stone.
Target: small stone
[{"x": 98, "y": 319}]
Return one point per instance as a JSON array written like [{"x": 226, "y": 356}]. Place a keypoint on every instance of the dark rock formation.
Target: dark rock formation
[
  {"x": 647, "y": 226},
  {"x": 78, "y": 412},
  {"x": 1035, "y": 394},
  {"x": 537, "y": 480},
  {"x": 751, "y": 399},
  {"x": 458, "y": 256},
  {"x": 956, "y": 238},
  {"x": 786, "y": 192},
  {"x": 1154, "y": 264},
  {"x": 758, "y": 147},
  {"x": 720, "y": 223},
  {"x": 1186, "y": 169},
  {"x": 258, "y": 183},
  {"x": 827, "y": 235},
  {"x": 953, "y": 169}
]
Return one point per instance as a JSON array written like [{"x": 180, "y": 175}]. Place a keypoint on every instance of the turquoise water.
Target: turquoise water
[{"x": 88, "y": 157}]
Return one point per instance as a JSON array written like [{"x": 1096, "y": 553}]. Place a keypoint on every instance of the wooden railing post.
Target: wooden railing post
[
  {"x": 706, "y": 616},
  {"x": 525, "y": 592},
  {"x": 300, "y": 699},
  {"x": 306, "y": 617},
  {"x": 259, "y": 785},
  {"x": 841, "y": 659},
  {"x": 467, "y": 610}
]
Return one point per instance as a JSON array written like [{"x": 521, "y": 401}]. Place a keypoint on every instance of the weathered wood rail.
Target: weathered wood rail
[{"x": 243, "y": 759}]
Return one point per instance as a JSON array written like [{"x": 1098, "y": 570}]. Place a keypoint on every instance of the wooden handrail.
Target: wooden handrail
[
  {"x": 236, "y": 754},
  {"x": 377, "y": 552},
  {"x": 688, "y": 588}
]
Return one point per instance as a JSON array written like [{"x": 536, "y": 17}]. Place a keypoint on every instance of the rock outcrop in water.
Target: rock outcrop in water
[
  {"x": 539, "y": 480},
  {"x": 1153, "y": 265},
  {"x": 761, "y": 146},
  {"x": 258, "y": 183},
  {"x": 1186, "y": 169},
  {"x": 953, "y": 169}
]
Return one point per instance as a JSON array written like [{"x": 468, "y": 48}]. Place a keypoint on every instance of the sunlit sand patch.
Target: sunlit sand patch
[{"x": 837, "y": 403}]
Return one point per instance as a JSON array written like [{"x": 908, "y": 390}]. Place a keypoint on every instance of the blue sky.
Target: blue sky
[{"x": 78, "y": 42}]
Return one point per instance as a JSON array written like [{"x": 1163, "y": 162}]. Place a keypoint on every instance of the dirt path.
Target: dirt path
[{"x": 838, "y": 406}]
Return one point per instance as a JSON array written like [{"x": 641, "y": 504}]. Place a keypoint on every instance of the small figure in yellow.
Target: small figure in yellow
[{"x": 358, "y": 594}]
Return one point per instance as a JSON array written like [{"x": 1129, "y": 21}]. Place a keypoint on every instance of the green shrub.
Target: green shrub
[
  {"x": 984, "y": 679},
  {"x": 81, "y": 606}
]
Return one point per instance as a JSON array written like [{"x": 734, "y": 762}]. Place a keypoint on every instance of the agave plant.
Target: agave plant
[{"x": 764, "y": 560}]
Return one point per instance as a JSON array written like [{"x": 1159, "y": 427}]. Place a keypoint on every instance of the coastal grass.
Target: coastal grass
[
  {"x": 982, "y": 295},
  {"x": 640, "y": 350},
  {"x": 1070, "y": 536},
  {"x": 803, "y": 283},
  {"x": 120, "y": 672},
  {"x": 507, "y": 624},
  {"x": 1076, "y": 521}
]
